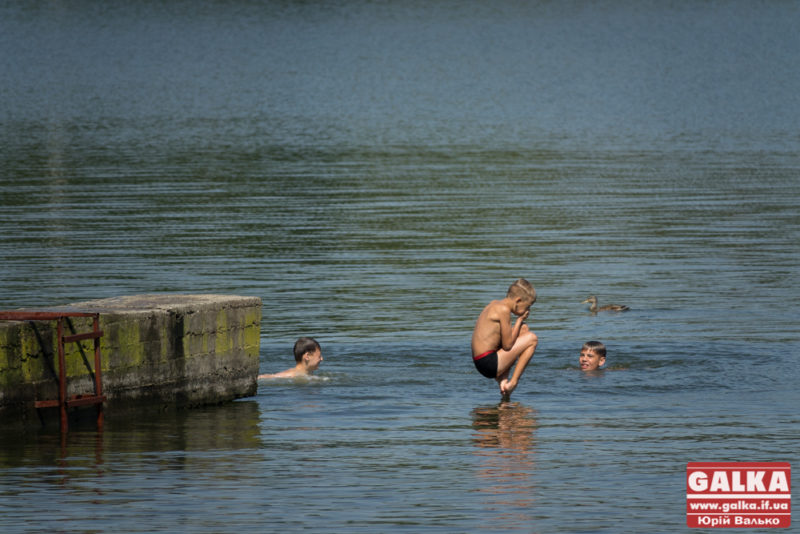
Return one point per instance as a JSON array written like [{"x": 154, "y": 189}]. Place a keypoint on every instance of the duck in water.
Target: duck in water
[{"x": 592, "y": 301}]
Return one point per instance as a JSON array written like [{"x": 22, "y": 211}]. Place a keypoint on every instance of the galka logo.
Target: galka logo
[{"x": 738, "y": 494}]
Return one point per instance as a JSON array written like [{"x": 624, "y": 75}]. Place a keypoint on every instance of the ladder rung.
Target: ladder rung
[
  {"x": 81, "y": 337},
  {"x": 85, "y": 400},
  {"x": 77, "y": 400}
]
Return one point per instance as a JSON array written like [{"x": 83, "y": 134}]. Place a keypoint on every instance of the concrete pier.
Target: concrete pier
[{"x": 158, "y": 351}]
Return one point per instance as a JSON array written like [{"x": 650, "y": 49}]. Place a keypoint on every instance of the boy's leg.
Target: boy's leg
[
  {"x": 525, "y": 344},
  {"x": 502, "y": 376},
  {"x": 521, "y": 353}
]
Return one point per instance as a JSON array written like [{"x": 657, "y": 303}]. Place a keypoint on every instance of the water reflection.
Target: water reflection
[
  {"x": 505, "y": 443},
  {"x": 227, "y": 427},
  {"x": 154, "y": 463}
]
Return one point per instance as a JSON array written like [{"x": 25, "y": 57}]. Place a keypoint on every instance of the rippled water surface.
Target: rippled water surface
[{"x": 377, "y": 172}]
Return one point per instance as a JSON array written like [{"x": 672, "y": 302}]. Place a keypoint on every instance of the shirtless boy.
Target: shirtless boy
[
  {"x": 496, "y": 345},
  {"x": 307, "y": 355}
]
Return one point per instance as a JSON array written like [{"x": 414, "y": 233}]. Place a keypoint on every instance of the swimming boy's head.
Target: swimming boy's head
[
  {"x": 523, "y": 292},
  {"x": 593, "y": 355},
  {"x": 307, "y": 350}
]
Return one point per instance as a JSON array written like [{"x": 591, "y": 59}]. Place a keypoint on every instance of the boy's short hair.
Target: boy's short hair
[
  {"x": 523, "y": 289},
  {"x": 596, "y": 347},
  {"x": 303, "y": 345}
]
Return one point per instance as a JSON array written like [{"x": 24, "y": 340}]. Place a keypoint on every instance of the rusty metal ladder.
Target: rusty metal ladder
[{"x": 63, "y": 402}]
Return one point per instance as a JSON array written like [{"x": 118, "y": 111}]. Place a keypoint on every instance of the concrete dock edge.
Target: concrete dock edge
[{"x": 158, "y": 351}]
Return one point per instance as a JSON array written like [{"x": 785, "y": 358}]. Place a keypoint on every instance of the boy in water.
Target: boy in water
[
  {"x": 496, "y": 345},
  {"x": 307, "y": 354},
  {"x": 593, "y": 355}
]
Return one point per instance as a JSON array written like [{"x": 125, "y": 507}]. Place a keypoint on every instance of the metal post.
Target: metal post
[
  {"x": 98, "y": 382},
  {"x": 62, "y": 376}
]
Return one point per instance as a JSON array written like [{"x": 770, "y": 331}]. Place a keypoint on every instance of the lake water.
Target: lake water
[{"x": 377, "y": 172}]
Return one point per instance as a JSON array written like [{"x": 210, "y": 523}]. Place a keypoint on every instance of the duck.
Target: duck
[{"x": 592, "y": 301}]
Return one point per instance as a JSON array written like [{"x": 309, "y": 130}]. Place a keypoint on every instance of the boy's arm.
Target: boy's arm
[{"x": 509, "y": 335}]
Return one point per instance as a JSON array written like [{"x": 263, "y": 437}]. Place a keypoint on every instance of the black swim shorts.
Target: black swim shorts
[{"x": 486, "y": 364}]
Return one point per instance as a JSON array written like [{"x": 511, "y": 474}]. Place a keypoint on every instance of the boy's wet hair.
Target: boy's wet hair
[
  {"x": 303, "y": 345},
  {"x": 596, "y": 347},
  {"x": 523, "y": 289}
]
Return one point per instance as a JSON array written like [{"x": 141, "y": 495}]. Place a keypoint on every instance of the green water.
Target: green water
[{"x": 377, "y": 172}]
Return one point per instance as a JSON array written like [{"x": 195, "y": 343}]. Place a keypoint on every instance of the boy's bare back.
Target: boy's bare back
[{"x": 487, "y": 335}]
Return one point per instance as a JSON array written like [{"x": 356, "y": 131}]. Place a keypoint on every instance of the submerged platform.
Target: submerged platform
[{"x": 158, "y": 351}]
